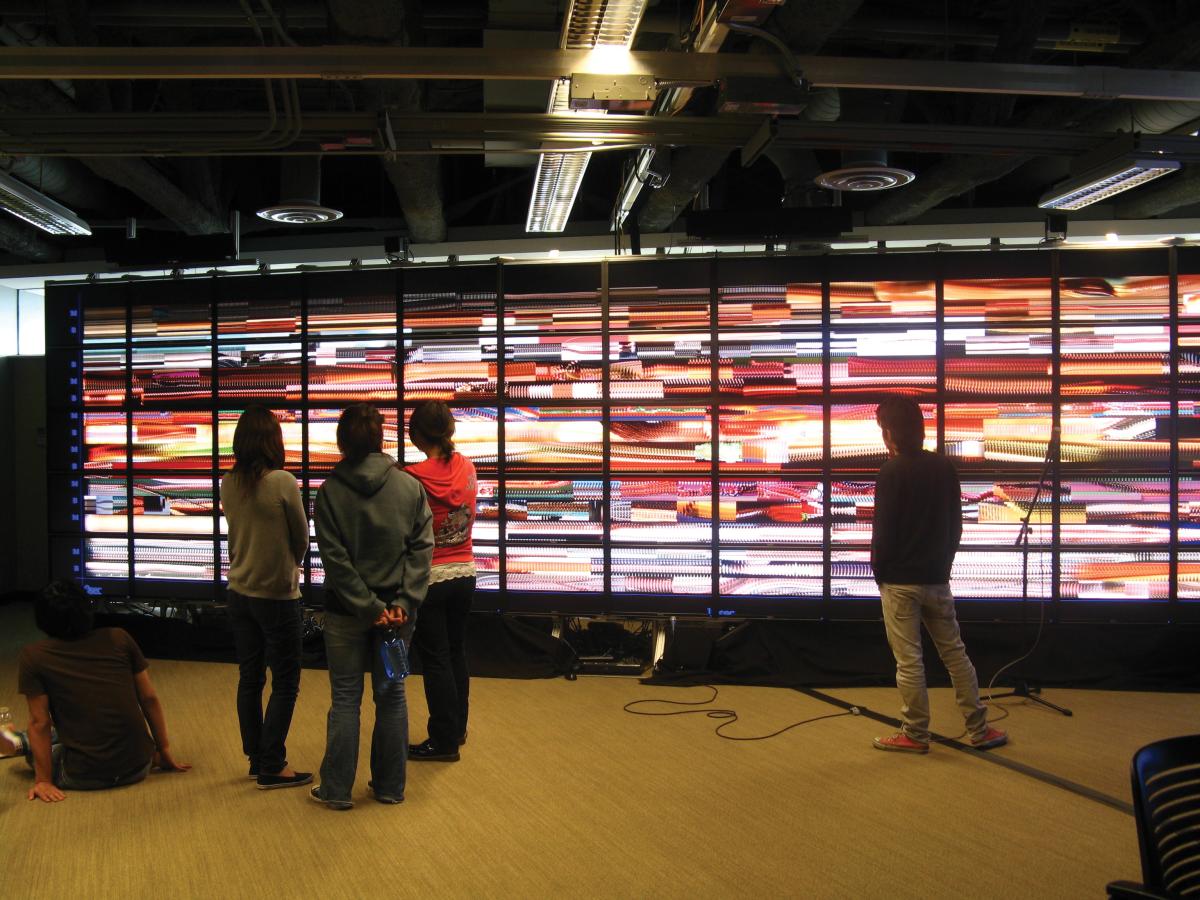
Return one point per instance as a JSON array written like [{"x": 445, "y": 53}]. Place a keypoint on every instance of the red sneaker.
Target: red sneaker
[
  {"x": 991, "y": 738},
  {"x": 902, "y": 742}
]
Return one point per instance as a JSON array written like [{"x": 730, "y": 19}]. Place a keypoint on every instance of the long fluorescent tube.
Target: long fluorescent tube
[
  {"x": 589, "y": 24},
  {"x": 1105, "y": 181},
  {"x": 39, "y": 210}
]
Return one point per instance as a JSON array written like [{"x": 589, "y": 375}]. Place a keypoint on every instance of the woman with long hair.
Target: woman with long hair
[
  {"x": 268, "y": 536},
  {"x": 449, "y": 481}
]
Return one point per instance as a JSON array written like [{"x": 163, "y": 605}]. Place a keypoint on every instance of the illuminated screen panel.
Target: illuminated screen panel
[
  {"x": 331, "y": 314},
  {"x": 855, "y": 439},
  {"x": 771, "y": 438},
  {"x": 1189, "y": 440},
  {"x": 173, "y": 560},
  {"x": 882, "y": 301},
  {"x": 996, "y": 433},
  {"x": 1116, "y": 434},
  {"x": 564, "y": 438},
  {"x": 106, "y": 557},
  {"x": 1189, "y": 510},
  {"x": 1189, "y": 577},
  {"x": 985, "y": 575},
  {"x": 564, "y": 312},
  {"x": 902, "y": 362},
  {"x": 105, "y": 505},
  {"x": 450, "y": 369},
  {"x": 260, "y": 373},
  {"x": 104, "y": 324},
  {"x": 850, "y": 575},
  {"x": 1115, "y": 576},
  {"x": 770, "y": 365},
  {"x": 475, "y": 437},
  {"x": 173, "y": 505},
  {"x": 1188, "y": 352},
  {"x": 1116, "y": 510},
  {"x": 246, "y": 313},
  {"x": 487, "y": 511},
  {"x": 553, "y": 367},
  {"x": 772, "y": 573},
  {"x": 104, "y": 441},
  {"x": 291, "y": 424},
  {"x": 323, "y": 453},
  {"x": 661, "y": 571},
  {"x": 428, "y": 312},
  {"x": 1189, "y": 295},
  {"x": 997, "y": 299},
  {"x": 660, "y": 438},
  {"x": 769, "y": 305},
  {"x": 661, "y": 511},
  {"x": 487, "y": 569},
  {"x": 358, "y": 372},
  {"x": 104, "y": 378},
  {"x": 1136, "y": 297},
  {"x": 554, "y": 510},
  {"x": 771, "y": 512},
  {"x": 163, "y": 374},
  {"x": 660, "y": 365},
  {"x": 1116, "y": 360},
  {"x": 557, "y": 569},
  {"x": 171, "y": 320},
  {"x": 997, "y": 361},
  {"x": 645, "y": 309}
]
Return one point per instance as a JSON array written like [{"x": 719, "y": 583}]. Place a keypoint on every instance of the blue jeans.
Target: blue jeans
[{"x": 352, "y": 647}]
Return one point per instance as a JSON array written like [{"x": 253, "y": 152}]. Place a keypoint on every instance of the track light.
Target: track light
[{"x": 39, "y": 210}]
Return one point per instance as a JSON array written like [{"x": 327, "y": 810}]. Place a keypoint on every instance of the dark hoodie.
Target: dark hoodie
[{"x": 375, "y": 534}]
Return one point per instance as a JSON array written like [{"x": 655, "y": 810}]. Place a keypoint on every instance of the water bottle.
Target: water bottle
[
  {"x": 395, "y": 656},
  {"x": 7, "y": 731}
]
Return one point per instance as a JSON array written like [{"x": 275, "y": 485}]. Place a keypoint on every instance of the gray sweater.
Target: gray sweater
[
  {"x": 375, "y": 533},
  {"x": 268, "y": 534}
]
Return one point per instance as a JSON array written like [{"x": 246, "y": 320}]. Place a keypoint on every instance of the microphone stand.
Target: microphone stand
[{"x": 1023, "y": 688}]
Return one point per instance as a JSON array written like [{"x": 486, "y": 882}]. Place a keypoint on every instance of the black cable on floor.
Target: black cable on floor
[
  {"x": 729, "y": 716},
  {"x": 1066, "y": 784}
]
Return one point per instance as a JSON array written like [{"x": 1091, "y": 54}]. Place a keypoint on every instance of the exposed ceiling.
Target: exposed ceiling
[{"x": 179, "y": 156}]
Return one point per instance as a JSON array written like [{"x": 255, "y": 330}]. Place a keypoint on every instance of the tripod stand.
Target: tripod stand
[{"x": 1024, "y": 688}]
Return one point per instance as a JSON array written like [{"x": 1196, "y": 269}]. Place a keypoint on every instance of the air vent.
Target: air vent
[
  {"x": 864, "y": 178},
  {"x": 300, "y": 182},
  {"x": 299, "y": 213}
]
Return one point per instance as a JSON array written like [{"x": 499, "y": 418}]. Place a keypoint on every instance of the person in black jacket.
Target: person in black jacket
[{"x": 915, "y": 533}]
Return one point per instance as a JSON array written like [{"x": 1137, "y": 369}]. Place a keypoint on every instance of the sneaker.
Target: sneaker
[
  {"x": 271, "y": 782},
  {"x": 426, "y": 751},
  {"x": 253, "y": 773},
  {"x": 462, "y": 740},
  {"x": 315, "y": 794},
  {"x": 386, "y": 798},
  {"x": 991, "y": 738},
  {"x": 901, "y": 742}
]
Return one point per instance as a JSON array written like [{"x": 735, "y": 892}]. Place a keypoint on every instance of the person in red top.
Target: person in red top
[{"x": 440, "y": 637}]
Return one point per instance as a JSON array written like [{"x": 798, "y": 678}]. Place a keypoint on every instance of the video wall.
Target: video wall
[{"x": 691, "y": 437}]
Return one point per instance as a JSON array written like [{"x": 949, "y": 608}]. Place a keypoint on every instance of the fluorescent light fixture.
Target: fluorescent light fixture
[
  {"x": 589, "y": 24},
  {"x": 39, "y": 210},
  {"x": 1104, "y": 181},
  {"x": 558, "y": 178}
]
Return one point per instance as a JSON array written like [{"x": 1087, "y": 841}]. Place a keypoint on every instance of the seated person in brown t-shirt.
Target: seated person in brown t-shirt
[{"x": 92, "y": 685}]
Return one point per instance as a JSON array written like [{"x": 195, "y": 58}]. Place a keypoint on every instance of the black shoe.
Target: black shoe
[
  {"x": 253, "y": 771},
  {"x": 462, "y": 740},
  {"x": 427, "y": 752},
  {"x": 271, "y": 782}
]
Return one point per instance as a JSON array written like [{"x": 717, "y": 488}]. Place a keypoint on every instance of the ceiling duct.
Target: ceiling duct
[
  {"x": 864, "y": 170},
  {"x": 300, "y": 186}
]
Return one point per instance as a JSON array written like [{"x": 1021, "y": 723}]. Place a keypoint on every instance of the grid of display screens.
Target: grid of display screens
[{"x": 689, "y": 437}]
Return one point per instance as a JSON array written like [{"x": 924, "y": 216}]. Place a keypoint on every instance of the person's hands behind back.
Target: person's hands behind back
[{"x": 392, "y": 617}]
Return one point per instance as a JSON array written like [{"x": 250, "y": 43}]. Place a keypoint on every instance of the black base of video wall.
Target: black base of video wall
[{"x": 664, "y": 436}]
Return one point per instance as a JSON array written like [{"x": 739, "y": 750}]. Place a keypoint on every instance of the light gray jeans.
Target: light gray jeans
[{"x": 905, "y": 607}]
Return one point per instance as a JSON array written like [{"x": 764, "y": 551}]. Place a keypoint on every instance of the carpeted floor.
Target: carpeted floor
[{"x": 561, "y": 793}]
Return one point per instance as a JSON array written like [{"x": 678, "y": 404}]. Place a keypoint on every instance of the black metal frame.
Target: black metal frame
[{"x": 65, "y": 310}]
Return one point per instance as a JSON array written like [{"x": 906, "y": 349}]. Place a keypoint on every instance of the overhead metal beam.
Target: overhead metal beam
[
  {"x": 203, "y": 134},
  {"x": 457, "y": 63}
]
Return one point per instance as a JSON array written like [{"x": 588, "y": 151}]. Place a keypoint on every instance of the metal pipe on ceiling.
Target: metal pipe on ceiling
[{"x": 457, "y": 63}]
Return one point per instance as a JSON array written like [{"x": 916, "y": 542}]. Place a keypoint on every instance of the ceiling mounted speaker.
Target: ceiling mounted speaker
[
  {"x": 864, "y": 170},
  {"x": 300, "y": 181}
]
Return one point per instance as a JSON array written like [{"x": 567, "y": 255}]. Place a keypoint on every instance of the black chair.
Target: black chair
[{"x": 1166, "y": 801}]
